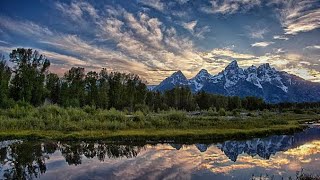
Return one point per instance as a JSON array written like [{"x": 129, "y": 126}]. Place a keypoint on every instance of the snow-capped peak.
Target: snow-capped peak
[
  {"x": 232, "y": 74},
  {"x": 268, "y": 74},
  {"x": 198, "y": 81},
  {"x": 262, "y": 81},
  {"x": 178, "y": 77},
  {"x": 232, "y": 65},
  {"x": 202, "y": 74}
]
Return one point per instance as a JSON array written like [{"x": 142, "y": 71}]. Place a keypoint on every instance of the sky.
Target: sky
[{"x": 154, "y": 38}]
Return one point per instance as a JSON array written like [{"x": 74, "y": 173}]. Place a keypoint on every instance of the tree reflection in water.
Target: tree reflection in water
[
  {"x": 26, "y": 160},
  {"x": 23, "y": 160}
]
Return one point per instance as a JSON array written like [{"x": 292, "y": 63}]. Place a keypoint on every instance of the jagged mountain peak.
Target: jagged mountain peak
[
  {"x": 201, "y": 74},
  {"x": 252, "y": 68},
  {"x": 263, "y": 81},
  {"x": 265, "y": 66},
  {"x": 176, "y": 79},
  {"x": 197, "y": 82},
  {"x": 179, "y": 72},
  {"x": 233, "y": 65},
  {"x": 203, "y": 71}
]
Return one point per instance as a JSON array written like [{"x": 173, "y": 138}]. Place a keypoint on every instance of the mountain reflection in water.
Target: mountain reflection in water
[{"x": 280, "y": 155}]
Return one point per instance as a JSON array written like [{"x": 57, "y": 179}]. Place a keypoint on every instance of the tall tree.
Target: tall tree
[
  {"x": 53, "y": 87},
  {"x": 74, "y": 86},
  {"x": 30, "y": 68},
  {"x": 5, "y": 74},
  {"x": 103, "y": 89},
  {"x": 91, "y": 88}
]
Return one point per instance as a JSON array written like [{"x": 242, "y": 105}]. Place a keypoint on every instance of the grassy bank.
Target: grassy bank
[{"x": 53, "y": 122}]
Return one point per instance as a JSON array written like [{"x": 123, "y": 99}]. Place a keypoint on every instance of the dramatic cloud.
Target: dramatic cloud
[
  {"x": 261, "y": 44},
  {"x": 153, "y": 38}
]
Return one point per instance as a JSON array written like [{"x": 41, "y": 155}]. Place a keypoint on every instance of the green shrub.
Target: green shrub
[
  {"x": 76, "y": 114},
  {"x": 70, "y": 126},
  {"x": 51, "y": 111},
  {"x": 222, "y": 112},
  {"x": 176, "y": 116},
  {"x": 212, "y": 112},
  {"x": 142, "y": 107},
  {"x": 139, "y": 117},
  {"x": 114, "y": 115},
  {"x": 115, "y": 125},
  {"x": 20, "y": 111},
  {"x": 236, "y": 112},
  {"x": 90, "y": 109}
]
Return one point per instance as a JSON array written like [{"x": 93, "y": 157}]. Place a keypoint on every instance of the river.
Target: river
[{"x": 277, "y": 157}]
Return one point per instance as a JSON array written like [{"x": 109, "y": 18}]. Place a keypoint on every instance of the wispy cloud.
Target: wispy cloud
[
  {"x": 143, "y": 42},
  {"x": 261, "y": 44},
  {"x": 227, "y": 53},
  {"x": 29, "y": 28},
  {"x": 194, "y": 30},
  {"x": 299, "y": 16},
  {"x": 190, "y": 25},
  {"x": 281, "y": 37},
  {"x": 156, "y": 4},
  {"x": 230, "y": 6},
  {"x": 77, "y": 10},
  {"x": 92, "y": 56},
  {"x": 258, "y": 33},
  {"x": 313, "y": 47},
  {"x": 3, "y": 42}
]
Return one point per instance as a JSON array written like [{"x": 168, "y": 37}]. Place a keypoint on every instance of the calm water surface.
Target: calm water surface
[{"x": 277, "y": 156}]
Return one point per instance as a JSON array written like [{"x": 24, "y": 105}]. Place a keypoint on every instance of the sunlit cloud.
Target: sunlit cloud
[
  {"x": 153, "y": 38},
  {"x": 162, "y": 160}
]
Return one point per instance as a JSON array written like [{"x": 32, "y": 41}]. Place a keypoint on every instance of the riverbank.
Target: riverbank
[
  {"x": 152, "y": 135},
  {"x": 53, "y": 122}
]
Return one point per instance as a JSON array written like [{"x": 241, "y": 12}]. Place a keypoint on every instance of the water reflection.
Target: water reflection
[{"x": 281, "y": 155}]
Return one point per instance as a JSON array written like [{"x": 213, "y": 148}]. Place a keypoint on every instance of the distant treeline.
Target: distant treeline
[{"x": 29, "y": 81}]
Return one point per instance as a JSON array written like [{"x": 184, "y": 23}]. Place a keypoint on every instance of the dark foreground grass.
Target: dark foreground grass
[{"x": 53, "y": 122}]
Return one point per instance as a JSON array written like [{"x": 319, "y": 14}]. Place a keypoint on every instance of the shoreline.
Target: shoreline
[{"x": 153, "y": 135}]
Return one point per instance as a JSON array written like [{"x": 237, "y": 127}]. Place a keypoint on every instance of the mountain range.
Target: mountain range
[{"x": 263, "y": 81}]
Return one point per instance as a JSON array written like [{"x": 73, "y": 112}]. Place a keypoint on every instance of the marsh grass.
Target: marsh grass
[{"x": 90, "y": 119}]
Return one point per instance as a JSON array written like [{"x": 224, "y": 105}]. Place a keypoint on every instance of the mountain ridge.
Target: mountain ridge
[{"x": 263, "y": 81}]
